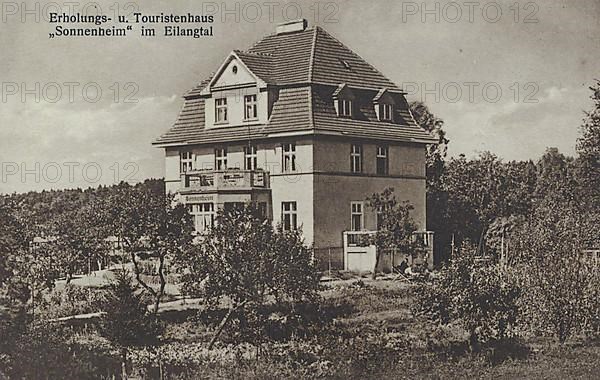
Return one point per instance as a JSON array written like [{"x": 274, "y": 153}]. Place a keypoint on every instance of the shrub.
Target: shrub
[
  {"x": 560, "y": 296},
  {"x": 73, "y": 300},
  {"x": 480, "y": 296},
  {"x": 246, "y": 263}
]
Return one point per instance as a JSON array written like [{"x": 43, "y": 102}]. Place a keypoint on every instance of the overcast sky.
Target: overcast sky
[{"x": 509, "y": 79}]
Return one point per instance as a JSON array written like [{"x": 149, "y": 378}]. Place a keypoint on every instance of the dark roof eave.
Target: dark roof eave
[{"x": 307, "y": 132}]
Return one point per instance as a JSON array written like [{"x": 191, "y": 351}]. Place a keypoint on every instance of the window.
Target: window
[
  {"x": 289, "y": 218},
  {"x": 357, "y": 217},
  {"x": 345, "y": 107},
  {"x": 250, "y": 108},
  {"x": 382, "y": 160},
  {"x": 250, "y": 158},
  {"x": 233, "y": 206},
  {"x": 221, "y": 110},
  {"x": 289, "y": 157},
  {"x": 186, "y": 160},
  {"x": 356, "y": 158},
  {"x": 203, "y": 215},
  {"x": 221, "y": 158},
  {"x": 385, "y": 112}
]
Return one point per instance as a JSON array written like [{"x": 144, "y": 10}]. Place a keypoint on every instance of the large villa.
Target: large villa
[{"x": 307, "y": 129}]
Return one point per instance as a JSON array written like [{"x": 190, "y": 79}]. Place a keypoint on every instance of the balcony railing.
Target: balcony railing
[
  {"x": 361, "y": 238},
  {"x": 224, "y": 179}
]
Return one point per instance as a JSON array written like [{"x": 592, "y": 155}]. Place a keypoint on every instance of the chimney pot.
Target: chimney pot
[{"x": 292, "y": 26}]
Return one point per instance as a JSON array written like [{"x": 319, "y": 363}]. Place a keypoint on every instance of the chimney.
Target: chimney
[{"x": 291, "y": 26}]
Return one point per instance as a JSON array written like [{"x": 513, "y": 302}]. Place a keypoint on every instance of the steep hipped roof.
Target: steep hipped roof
[
  {"x": 308, "y": 56},
  {"x": 306, "y": 67}
]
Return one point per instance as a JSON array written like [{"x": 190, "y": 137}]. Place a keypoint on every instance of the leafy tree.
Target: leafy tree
[
  {"x": 13, "y": 293},
  {"x": 146, "y": 219},
  {"x": 478, "y": 295},
  {"x": 126, "y": 321},
  {"x": 395, "y": 225},
  {"x": 557, "y": 278},
  {"x": 437, "y": 196},
  {"x": 588, "y": 149},
  {"x": 76, "y": 236},
  {"x": 246, "y": 263}
]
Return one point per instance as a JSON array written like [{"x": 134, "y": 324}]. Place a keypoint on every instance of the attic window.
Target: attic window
[
  {"x": 385, "y": 112},
  {"x": 345, "y": 64},
  {"x": 345, "y": 107}
]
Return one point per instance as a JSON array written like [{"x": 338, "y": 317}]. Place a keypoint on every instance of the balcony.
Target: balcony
[
  {"x": 232, "y": 179},
  {"x": 360, "y": 256}
]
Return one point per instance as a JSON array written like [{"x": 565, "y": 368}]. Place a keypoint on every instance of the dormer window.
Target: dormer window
[
  {"x": 385, "y": 112},
  {"x": 342, "y": 100},
  {"x": 345, "y": 107},
  {"x": 384, "y": 105},
  {"x": 221, "y": 110}
]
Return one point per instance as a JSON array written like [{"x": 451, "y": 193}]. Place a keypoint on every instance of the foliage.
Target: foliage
[
  {"x": 395, "y": 225},
  {"x": 588, "y": 149},
  {"x": 146, "y": 219},
  {"x": 72, "y": 300},
  {"x": 51, "y": 351},
  {"x": 558, "y": 280},
  {"x": 435, "y": 159},
  {"x": 76, "y": 236},
  {"x": 126, "y": 321},
  {"x": 478, "y": 295},
  {"x": 245, "y": 262}
]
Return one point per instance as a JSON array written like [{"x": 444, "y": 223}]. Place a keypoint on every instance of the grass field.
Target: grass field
[
  {"x": 368, "y": 332},
  {"x": 376, "y": 336}
]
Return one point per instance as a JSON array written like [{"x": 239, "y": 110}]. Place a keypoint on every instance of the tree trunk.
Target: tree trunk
[
  {"x": 138, "y": 278},
  {"x": 473, "y": 342},
  {"x": 377, "y": 256},
  {"x": 163, "y": 283},
  {"x": 480, "y": 246},
  {"x": 223, "y": 323},
  {"x": 124, "y": 363}
]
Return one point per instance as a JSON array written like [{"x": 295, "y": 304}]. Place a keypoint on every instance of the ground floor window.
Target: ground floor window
[
  {"x": 230, "y": 206},
  {"x": 289, "y": 217},
  {"x": 356, "y": 216},
  {"x": 203, "y": 215}
]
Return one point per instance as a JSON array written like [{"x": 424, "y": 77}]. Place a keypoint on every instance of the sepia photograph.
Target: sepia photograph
[{"x": 299, "y": 189}]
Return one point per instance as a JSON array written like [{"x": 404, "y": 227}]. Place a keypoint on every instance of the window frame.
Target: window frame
[
  {"x": 357, "y": 208},
  {"x": 220, "y": 158},
  {"x": 221, "y": 107},
  {"x": 186, "y": 164},
  {"x": 386, "y": 112},
  {"x": 356, "y": 161},
  {"x": 289, "y": 209},
  {"x": 200, "y": 212},
  {"x": 345, "y": 107},
  {"x": 288, "y": 157},
  {"x": 250, "y": 157},
  {"x": 250, "y": 100},
  {"x": 385, "y": 157}
]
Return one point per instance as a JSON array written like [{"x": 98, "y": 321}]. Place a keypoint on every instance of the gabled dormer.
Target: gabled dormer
[
  {"x": 344, "y": 101},
  {"x": 236, "y": 95},
  {"x": 384, "y": 104}
]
